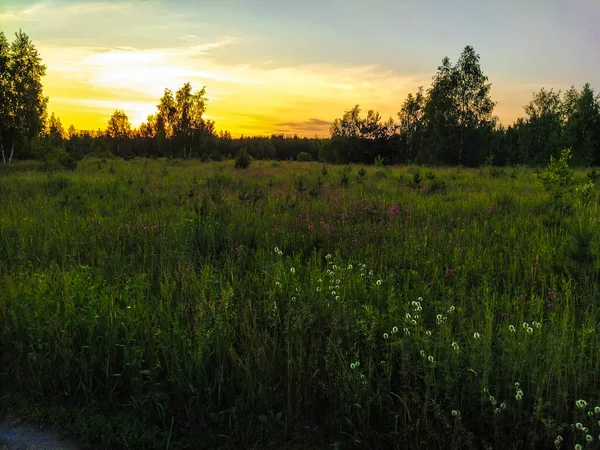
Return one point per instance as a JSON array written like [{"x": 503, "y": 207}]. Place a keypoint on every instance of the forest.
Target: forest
[{"x": 451, "y": 122}]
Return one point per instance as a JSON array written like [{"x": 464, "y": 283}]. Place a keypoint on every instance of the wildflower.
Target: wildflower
[
  {"x": 319, "y": 280},
  {"x": 597, "y": 409},
  {"x": 127, "y": 226},
  {"x": 493, "y": 400},
  {"x": 394, "y": 330},
  {"x": 352, "y": 366},
  {"x": 292, "y": 270},
  {"x": 529, "y": 330},
  {"x": 456, "y": 413},
  {"x": 520, "y": 392},
  {"x": 413, "y": 322},
  {"x": 337, "y": 281},
  {"x": 455, "y": 346},
  {"x": 385, "y": 335},
  {"x": 517, "y": 384},
  {"x": 578, "y": 447},
  {"x": 293, "y": 299},
  {"x": 589, "y": 438},
  {"x": 277, "y": 250},
  {"x": 519, "y": 397},
  {"x": 579, "y": 426},
  {"x": 502, "y": 405},
  {"x": 357, "y": 363},
  {"x": 476, "y": 335},
  {"x": 349, "y": 266},
  {"x": 512, "y": 329},
  {"x": 430, "y": 359},
  {"x": 420, "y": 299},
  {"x": 379, "y": 282},
  {"x": 581, "y": 404},
  {"x": 277, "y": 283},
  {"x": 333, "y": 293},
  {"x": 408, "y": 316},
  {"x": 337, "y": 297},
  {"x": 525, "y": 325},
  {"x": 334, "y": 267},
  {"x": 416, "y": 317},
  {"x": 318, "y": 289},
  {"x": 422, "y": 352},
  {"x": 328, "y": 256},
  {"x": 406, "y": 331},
  {"x": 538, "y": 325},
  {"x": 451, "y": 309},
  {"x": 428, "y": 333}
]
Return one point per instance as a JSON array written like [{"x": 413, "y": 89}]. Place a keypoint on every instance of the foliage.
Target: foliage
[
  {"x": 183, "y": 303},
  {"x": 242, "y": 160},
  {"x": 303, "y": 156}
]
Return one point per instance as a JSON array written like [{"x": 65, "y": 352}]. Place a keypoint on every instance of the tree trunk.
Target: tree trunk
[
  {"x": 12, "y": 149},
  {"x": 2, "y": 149}
]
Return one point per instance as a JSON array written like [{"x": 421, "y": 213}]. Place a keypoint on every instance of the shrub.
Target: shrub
[
  {"x": 303, "y": 156},
  {"x": 242, "y": 160}
]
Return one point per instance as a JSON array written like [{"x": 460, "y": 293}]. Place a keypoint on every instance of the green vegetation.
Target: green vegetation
[{"x": 157, "y": 304}]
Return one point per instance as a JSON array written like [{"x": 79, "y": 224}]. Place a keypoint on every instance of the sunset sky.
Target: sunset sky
[{"x": 292, "y": 66}]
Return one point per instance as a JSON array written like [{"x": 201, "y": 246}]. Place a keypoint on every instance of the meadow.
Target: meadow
[{"x": 171, "y": 304}]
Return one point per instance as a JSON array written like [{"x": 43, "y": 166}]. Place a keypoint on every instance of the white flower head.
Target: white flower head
[
  {"x": 379, "y": 282},
  {"x": 476, "y": 335},
  {"x": 394, "y": 330},
  {"x": 430, "y": 359},
  {"x": 512, "y": 329},
  {"x": 349, "y": 266},
  {"x": 385, "y": 335},
  {"x": 292, "y": 270},
  {"x": 328, "y": 256}
]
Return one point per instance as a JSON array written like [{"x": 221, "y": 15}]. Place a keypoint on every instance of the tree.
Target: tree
[
  {"x": 119, "y": 128},
  {"x": 148, "y": 129},
  {"x": 411, "y": 123},
  {"x": 475, "y": 106},
  {"x": 4, "y": 92},
  {"x": 24, "y": 105},
  {"x": 56, "y": 132},
  {"x": 581, "y": 118},
  {"x": 189, "y": 126},
  {"x": 459, "y": 110},
  {"x": 543, "y": 125},
  {"x": 165, "y": 119}
]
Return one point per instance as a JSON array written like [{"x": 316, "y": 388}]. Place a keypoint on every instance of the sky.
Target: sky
[{"x": 293, "y": 66}]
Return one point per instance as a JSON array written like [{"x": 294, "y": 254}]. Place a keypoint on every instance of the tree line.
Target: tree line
[{"x": 450, "y": 123}]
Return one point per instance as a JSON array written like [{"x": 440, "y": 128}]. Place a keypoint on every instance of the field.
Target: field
[{"x": 169, "y": 304}]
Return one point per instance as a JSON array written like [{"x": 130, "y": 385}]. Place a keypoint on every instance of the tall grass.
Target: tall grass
[{"x": 199, "y": 305}]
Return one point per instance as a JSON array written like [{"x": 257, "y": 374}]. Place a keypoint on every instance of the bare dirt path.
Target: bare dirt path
[{"x": 16, "y": 435}]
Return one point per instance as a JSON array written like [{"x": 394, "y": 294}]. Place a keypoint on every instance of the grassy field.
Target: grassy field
[{"x": 169, "y": 304}]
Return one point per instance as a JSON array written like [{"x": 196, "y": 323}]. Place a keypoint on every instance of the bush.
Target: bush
[
  {"x": 303, "y": 156},
  {"x": 242, "y": 160}
]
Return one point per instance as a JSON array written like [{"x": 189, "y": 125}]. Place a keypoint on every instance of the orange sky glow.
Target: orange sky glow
[{"x": 261, "y": 77}]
